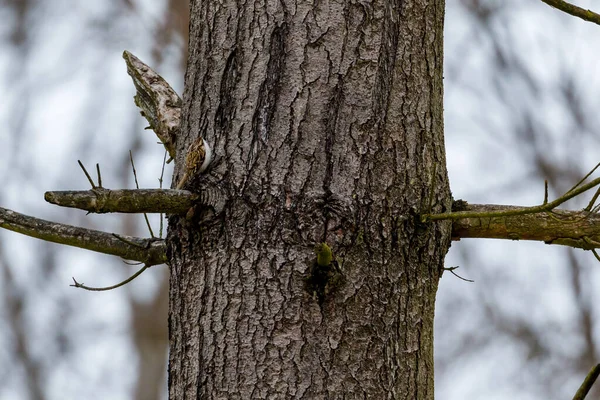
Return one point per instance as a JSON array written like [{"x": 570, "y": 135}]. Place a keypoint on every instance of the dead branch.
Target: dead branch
[
  {"x": 579, "y": 229},
  {"x": 159, "y": 103},
  {"x": 101, "y": 200},
  {"x": 137, "y": 186},
  {"x": 148, "y": 251}
]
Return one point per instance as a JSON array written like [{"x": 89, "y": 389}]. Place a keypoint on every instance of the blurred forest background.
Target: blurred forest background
[{"x": 521, "y": 106}]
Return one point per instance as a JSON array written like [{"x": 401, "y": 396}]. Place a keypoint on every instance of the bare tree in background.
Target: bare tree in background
[
  {"x": 60, "y": 334},
  {"x": 148, "y": 316},
  {"x": 542, "y": 119}
]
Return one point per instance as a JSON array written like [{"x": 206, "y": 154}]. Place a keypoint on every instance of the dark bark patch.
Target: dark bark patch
[
  {"x": 387, "y": 59},
  {"x": 332, "y": 118},
  {"x": 269, "y": 93},
  {"x": 225, "y": 111},
  {"x": 324, "y": 280}
]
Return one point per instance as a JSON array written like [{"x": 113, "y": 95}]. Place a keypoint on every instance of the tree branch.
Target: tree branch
[
  {"x": 512, "y": 210},
  {"x": 101, "y": 200},
  {"x": 587, "y": 383},
  {"x": 579, "y": 229},
  {"x": 159, "y": 103},
  {"x": 575, "y": 11},
  {"x": 148, "y": 251}
]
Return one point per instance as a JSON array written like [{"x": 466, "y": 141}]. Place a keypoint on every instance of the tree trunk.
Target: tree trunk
[{"x": 326, "y": 121}]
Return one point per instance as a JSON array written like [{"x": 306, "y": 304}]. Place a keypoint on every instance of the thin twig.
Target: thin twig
[
  {"x": 545, "y": 191},
  {"x": 137, "y": 187},
  {"x": 575, "y": 11},
  {"x": 99, "y": 176},
  {"x": 593, "y": 201},
  {"x": 592, "y": 244},
  {"x": 451, "y": 269},
  {"x": 567, "y": 219},
  {"x": 87, "y": 175},
  {"x": 102, "y": 289},
  {"x": 595, "y": 253},
  {"x": 587, "y": 383},
  {"x": 583, "y": 179},
  {"x": 160, "y": 183},
  {"x": 575, "y": 191}
]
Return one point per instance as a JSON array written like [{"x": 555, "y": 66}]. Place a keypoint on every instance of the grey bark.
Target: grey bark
[{"x": 327, "y": 124}]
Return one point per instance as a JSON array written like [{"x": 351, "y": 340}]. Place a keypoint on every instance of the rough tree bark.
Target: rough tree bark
[{"x": 326, "y": 121}]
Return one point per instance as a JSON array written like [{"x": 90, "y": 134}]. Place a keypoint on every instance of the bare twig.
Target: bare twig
[
  {"x": 587, "y": 383},
  {"x": 162, "y": 171},
  {"x": 160, "y": 185},
  {"x": 575, "y": 11},
  {"x": 99, "y": 176},
  {"x": 451, "y": 269},
  {"x": 102, "y": 289},
  {"x": 590, "y": 206},
  {"x": 583, "y": 179},
  {"x": 512, "y": 211},
  {"x": 137, "y": 186},
  {"x": 148, "y": 251},
  {"x": 87, "y": 175}
]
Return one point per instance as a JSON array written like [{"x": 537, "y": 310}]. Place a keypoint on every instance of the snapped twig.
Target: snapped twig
[
  {"x": 99, "y": 175},
  {"x": 584, "y": 178},
  {"x": 590, "y": 207}
]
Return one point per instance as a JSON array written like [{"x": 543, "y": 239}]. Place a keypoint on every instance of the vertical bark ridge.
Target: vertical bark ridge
[{"x": 268, "y": 94}]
